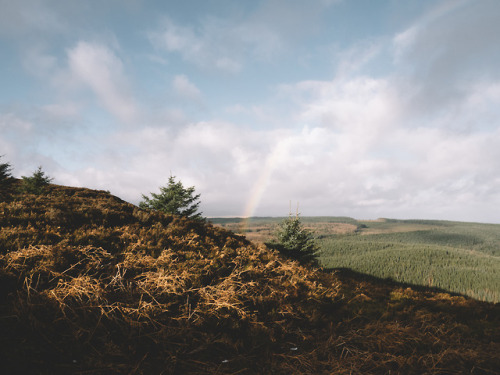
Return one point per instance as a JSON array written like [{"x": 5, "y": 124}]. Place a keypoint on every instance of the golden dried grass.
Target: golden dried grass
[{"x": 121, "y": 290}]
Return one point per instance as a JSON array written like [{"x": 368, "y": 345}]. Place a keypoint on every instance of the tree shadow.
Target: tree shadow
[{"x": 347, "y": 274}]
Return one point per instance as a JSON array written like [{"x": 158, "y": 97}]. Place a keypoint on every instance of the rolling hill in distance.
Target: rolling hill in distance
[
  {"x": 90, "y": 284},
  {"x": 455, "y": 256}
]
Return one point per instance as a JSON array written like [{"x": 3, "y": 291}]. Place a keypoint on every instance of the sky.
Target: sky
[{"x": 355, "y": 108}]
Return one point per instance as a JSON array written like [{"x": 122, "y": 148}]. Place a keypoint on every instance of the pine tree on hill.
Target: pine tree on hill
[
  {"x": 174, "y": 199},
  {"x": 36, "y": 183},
  {"x": 294, "y": 241},
  {"x": 6, "y": 180},
  {"x": 5, "y": 170}
]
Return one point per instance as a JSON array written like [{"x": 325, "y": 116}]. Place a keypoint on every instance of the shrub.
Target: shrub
[
  {"x": 6, "y": 180},
  {"x": 174, "y": 199},
  {"x": 294, "y": 241},
  {"x": 36, "y": 183}
]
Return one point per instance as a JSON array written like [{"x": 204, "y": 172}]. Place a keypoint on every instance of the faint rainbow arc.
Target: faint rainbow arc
[{"x": 259, "y": 188}]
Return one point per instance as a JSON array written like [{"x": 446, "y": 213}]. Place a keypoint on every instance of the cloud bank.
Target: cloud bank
[{"x": 415, "y": 138}]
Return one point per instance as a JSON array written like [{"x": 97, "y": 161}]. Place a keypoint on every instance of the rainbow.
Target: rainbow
[{"x": 259, "y": 187}]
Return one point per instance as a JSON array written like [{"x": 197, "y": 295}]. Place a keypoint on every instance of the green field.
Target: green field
[{"x": 454, "y": 256}]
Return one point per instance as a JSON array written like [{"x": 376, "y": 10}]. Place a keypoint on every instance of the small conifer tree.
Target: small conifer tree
[
  {"x": 5, "y": 169},
  {"x": 294, "y": 241},
  {"x": 174, "y": 199},
  {"x": 6, "y": 180},
  {"x": 36, "y": 183}
]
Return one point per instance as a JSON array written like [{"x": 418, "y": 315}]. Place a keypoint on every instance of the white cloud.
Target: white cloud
[
  {"x": 363, "y": 153},
  {"x": 62, "y": 111},
  {"x": 385, "y": 157},
  {"x": 228, "y": 44},
  {"x": 97, "y": 67},
  {"x": 206, "y": 48},
  {"x": 421, "y": 141},
  {"x": 220, "y": 159},
  {"x": 9, "y": 121},
  {"x": 236, "y": 39},
  {"x": 185, "y": 88},
  {"x": 227, "y": 64},
  {"x": 448, "y": 50},
  {"x": 20, "y": 137},
  {"x": 157, "y": 59}
]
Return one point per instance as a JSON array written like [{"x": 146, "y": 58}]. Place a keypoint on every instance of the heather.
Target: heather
[{"x": 93, "y": 284}]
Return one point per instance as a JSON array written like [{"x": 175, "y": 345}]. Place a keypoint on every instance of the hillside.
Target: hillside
[
  {"x": 454, "y": 256},
  {"x": 93, "y": 285}
]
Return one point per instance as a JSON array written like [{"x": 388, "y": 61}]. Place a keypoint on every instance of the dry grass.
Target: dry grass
[
  {"x": 114, "y": 289},
  {"x": 262, "y": 233}
]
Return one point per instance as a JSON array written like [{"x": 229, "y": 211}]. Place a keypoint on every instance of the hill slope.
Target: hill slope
[
  {"x": 92, "y": 284},
  {"x": 454, "y": 256}
]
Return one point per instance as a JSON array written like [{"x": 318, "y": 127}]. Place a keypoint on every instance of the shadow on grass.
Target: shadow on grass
[{"x": 347, "y": 274}]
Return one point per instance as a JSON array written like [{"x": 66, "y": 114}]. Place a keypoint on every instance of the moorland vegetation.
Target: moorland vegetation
[
  {"x": 92, "y": 284},
  {"x": 453, "y": 256}
]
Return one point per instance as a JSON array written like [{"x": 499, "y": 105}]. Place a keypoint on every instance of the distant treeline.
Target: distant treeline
[
  {"x": 454, "y": 256},
  {"x": 458, "y": 257}
]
